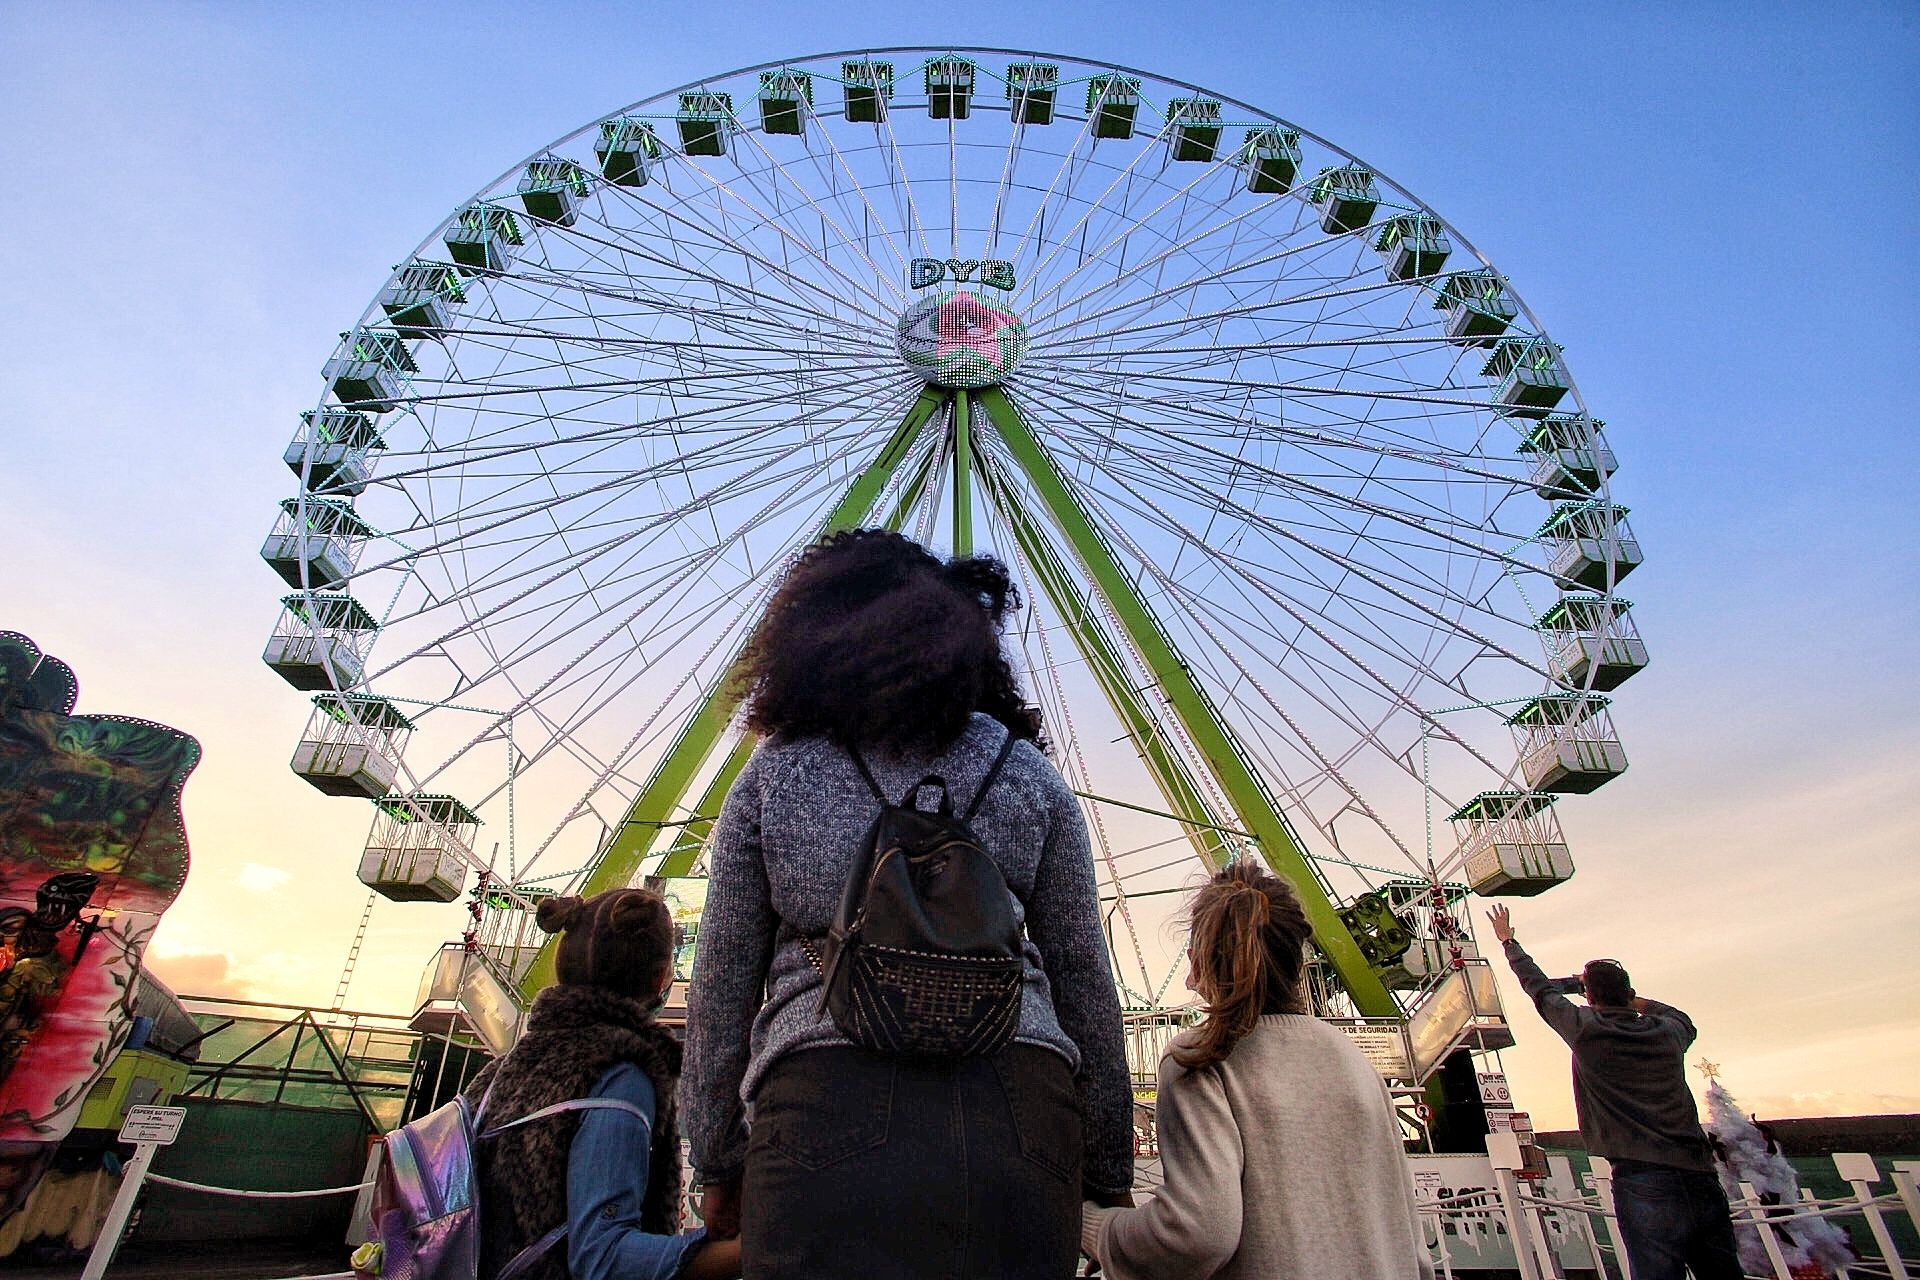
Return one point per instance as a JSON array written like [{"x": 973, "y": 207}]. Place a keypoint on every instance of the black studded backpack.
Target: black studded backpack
[{"x": 924, "y": 957}]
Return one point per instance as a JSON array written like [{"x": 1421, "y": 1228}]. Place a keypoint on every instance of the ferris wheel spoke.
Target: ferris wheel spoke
[
  {"x": 1203, "y": 415},
  {"x": 721, "y": 451},
  {"x": 847, "y": 237},
  {"x": 1140, "y": 154},
  {"x": 810, "y": 298},
  {"x": 1435, "y": 525},
  {"x": 1197, "y": 603},
  {"x": 1372, "y": 574},
  {"x": 823, "y": 130},
  {"x": 1298, "y": 258},
  {"x": 830, "y": 292},
  {"x": 732, "y": 486},
  {"x": 765, "y": 512},
  {"x": 1127, "y": 218},
  {"x": 734, "y": 482},
  {"x": 1323, "y": 284}
]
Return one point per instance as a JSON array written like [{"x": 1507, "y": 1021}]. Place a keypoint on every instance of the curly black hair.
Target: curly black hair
[{"x": 872, "y": 640}]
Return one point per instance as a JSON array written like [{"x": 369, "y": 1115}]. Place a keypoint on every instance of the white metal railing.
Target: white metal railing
[{"x": 1531, "y": 1222}]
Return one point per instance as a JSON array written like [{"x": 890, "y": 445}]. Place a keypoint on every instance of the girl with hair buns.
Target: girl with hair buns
[
  {"x": 827, "y": 1159},
  {"x": 1278, "y": 1140},
  {"x": 608, "y": 1177}
]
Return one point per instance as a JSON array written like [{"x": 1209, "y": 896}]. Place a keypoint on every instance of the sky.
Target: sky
[{"x": 1710, "y": 206}]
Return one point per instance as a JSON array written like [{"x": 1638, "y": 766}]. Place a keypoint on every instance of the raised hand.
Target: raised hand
[{"x": 1502, "y": 921}]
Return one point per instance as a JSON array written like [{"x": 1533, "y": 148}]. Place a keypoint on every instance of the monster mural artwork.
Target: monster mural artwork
[{"x": 92, "y": 851}]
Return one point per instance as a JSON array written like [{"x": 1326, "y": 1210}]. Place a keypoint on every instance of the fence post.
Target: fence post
[
  {"x": 1602, "y": 1171},
  {"x": 1906, "y": 1174},
  {"x": 108, "y": 1242},
  {"x": 1504, "y": 1151},
  {"x": 1858, "y": 1170},
  {"x": 1764, "y": 1229}
]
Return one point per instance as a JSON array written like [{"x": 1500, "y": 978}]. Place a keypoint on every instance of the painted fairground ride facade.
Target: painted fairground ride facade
[{"x": 1316, "y": 533}]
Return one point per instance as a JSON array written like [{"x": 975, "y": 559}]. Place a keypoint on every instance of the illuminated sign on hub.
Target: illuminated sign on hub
[{"x": 991, "y": 272}]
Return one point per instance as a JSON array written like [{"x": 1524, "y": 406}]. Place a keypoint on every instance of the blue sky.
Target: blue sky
[{"x": 1710, "y": 206}]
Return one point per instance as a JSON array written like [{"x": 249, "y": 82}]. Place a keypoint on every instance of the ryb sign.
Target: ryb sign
[{"x": 991, "y": 272}]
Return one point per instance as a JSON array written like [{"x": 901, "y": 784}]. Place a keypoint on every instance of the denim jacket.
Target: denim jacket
[{"x": 606, "y": 1181}]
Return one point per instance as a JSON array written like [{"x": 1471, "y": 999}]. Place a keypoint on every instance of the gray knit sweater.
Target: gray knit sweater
[
  {"x": 1283, "y": 1161},
  {"x": 780, "y": 855}
]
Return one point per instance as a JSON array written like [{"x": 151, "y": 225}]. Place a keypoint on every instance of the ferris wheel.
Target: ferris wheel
[{"x": 1315, "y": 532}]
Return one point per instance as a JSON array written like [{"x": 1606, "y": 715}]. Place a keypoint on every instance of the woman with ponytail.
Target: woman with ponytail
[
  {"x": 1278, "y": 1140},
  {"x": 832, "y": 1160}
]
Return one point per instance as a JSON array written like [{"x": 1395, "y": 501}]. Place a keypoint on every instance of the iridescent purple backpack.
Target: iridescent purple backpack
[{"x": 426, "y": 1208}]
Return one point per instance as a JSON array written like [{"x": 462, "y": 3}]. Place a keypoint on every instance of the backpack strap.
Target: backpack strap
[
  {"x": 523, "y": 1261},
  {"x": 993, "y": 772},
  {"x": 860, "y": 763}
]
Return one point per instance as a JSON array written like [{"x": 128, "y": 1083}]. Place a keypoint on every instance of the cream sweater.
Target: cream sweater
[{"x": 1284, "y": 1163}]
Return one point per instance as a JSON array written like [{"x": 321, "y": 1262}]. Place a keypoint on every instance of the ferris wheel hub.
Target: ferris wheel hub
[{"x": 961, "y": 340}]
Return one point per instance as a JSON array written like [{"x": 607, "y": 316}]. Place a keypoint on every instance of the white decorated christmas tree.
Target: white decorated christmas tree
[{"x": 1746, "y": 1153}]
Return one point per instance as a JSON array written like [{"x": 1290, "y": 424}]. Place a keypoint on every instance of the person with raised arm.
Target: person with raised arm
[{"x": 1630, "y": 1093}]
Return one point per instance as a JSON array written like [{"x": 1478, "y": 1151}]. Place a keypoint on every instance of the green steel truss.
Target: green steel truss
[
  {"x": 654, "y": 808},
  {"x": 1253, "y": 806}
]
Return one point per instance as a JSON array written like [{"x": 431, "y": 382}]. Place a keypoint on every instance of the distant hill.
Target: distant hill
[{"x": 1813, "y": 1135}]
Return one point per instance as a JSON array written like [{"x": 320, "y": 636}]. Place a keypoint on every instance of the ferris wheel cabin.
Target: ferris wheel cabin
[
  {"x": 1415, "y": 246},
  {"x": 1567, "y": 743},
  {"x": 1478, "y": 308},
  {"x": 419, "y": 848},
  {"x": 867, "y": 88},
  {"x": 369, "y": 369},
  {"x": 1592, "y": 638},
  {"x": 1193, "y": 126},
  {"x": 331, "y": 451},
  {"x": 551, "y": 190},
  {"x": 483, "y": 238},
  {"x": 1031, "y": 89},
  {"x": 949, "y": 83},
  {"x": 1114, "y": 102},
  {"x": 1347, "y": 198},
  {"x": 1532, "y": 377},
  {"x": 352, "y": 744},
  {"x": 1570, "y": 456},
  {"x": 786, "y": 99},
  {"x": 420, "y": 299},
  {"x": 1272, "y": 160},
  {"x": 1591, "y": 545},
  {"x": 1511, "y": 844},
  {"x": 318, "y": 640},
  {"x": 626, "y": 149},
  {"x": 705, "y": 121},
  {"x": 316, "y": 542}
]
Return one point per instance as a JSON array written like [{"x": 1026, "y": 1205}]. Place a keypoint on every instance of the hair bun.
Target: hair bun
[
  {"x": 988, "y": 579},
  {"x": 555, "y": 914}
]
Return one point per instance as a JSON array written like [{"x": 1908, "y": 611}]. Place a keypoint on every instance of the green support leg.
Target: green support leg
[
  {"x": 962, "y": 477},
  {"x": 1090, "y": 636},
  {"x": 661, "y": 798},
  {"x": 1245, "y": 792}
]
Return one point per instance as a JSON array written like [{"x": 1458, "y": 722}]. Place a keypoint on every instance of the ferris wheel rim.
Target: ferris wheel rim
[
  {"x": 1062, "y": 335},
  {"x": 372, "y": 309}
]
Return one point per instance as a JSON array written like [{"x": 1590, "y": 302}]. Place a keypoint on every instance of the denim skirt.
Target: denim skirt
[{"x": 883, "y": 1168}]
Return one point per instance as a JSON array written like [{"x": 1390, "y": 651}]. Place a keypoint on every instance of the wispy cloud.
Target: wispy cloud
[{"x": 256, "y": 878}]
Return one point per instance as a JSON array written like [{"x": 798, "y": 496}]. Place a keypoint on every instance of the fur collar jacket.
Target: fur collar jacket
[{"x": 574, "y": 1035}]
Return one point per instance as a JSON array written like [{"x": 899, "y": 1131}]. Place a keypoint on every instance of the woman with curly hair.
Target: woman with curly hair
[
  {"x": 830, "y": 1159},
  {"x": 1278, "y": 1141}
]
